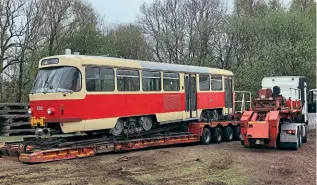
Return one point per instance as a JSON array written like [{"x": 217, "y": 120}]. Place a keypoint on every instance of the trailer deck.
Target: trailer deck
[{"x": 55, "y": 149}]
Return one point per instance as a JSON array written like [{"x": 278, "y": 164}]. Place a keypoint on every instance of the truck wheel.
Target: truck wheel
[
  {"x": 297, "y": 144},
  {"x": 228, "y": 134},
  {"x": 306, "y": 133},
  {"x": 305, "y": 139},
  {"x": 236, "y": 133},
  {"x": 216, "y": 135},
  {"x": 300, "y": 141},
  {"x": 281, "y": 146},
  {"x": 206, "y": 136}
]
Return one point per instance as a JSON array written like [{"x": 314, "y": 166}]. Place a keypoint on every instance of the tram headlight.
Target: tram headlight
[{"x": 50, "y": 110}]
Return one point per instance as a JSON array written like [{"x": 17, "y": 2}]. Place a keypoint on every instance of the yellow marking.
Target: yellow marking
[
  {"x": 35, "y": 121},
  {"x": 82, "y": 155},
  {"x": 256, "y": 122},
  {"x": 46, "y": 156},
  {"x": 23, "y": 156}
]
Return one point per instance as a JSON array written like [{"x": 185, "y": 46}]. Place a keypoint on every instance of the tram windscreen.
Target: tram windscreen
[{"x": 57, "y": 79}]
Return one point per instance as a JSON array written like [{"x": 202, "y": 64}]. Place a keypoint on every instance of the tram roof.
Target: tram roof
[{"x": 129, "y": 63}]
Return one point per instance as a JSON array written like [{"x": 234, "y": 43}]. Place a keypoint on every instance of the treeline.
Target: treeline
[{"x": 257, "y": 38}]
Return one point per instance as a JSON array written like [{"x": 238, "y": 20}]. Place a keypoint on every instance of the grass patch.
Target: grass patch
[
  {"x": 231, "y": 176},
  {"x": 11, "y": 138},
  {"x": 146, "y": 179}
]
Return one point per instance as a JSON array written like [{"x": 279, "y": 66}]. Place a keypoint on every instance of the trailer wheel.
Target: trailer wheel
[
  {"x": 236, "y": 133},
  {"x": 228, "y": 134},
  {"x": 216, "y": 135},
  {"x": 206, "y": 136}
]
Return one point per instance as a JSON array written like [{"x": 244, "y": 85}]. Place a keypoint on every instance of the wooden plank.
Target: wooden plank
[
  {"x": 14, "y": 116},
  {"x": 17, "y": 124},
  {"x": 16, "y": 131},
  {"x": 14, "y": 104},
  {"x": 8, "y": 121},
  {"x": 5, "y": 134},
  {"x": 13, "y": 111}
]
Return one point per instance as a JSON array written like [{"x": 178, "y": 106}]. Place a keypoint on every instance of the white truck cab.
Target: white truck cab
[{"x": 294, "y": 87}]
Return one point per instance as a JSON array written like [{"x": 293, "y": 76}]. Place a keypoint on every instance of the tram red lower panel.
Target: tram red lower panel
[{"x": 97, "y": 106}]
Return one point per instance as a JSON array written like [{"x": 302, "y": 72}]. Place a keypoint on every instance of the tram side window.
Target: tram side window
[
  {"x": 216, "y": 83},
  {"x": 171, "y": 82},
  {"x": 204, "y": 82},
  {"x": 151, "y": 81},
  {"x": 128, "y": 80},
  {"x": 99, "y": 79}
]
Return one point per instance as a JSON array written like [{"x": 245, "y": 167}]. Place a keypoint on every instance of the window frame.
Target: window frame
[
  {"x": 128, "y": 69},
  {"x": 164, "y": 78},
  {"x": 100, "y": 67},
  {"x": 152, "y": 77},
  {"x": 222, "y": 80},
  {"x": 209, "y": 80}
]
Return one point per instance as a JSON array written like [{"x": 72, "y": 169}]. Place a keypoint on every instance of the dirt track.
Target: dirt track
[{"x": 215, "y": 164}]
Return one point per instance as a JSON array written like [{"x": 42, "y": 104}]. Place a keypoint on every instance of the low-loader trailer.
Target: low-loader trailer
[{"x": 35, "y": 150}]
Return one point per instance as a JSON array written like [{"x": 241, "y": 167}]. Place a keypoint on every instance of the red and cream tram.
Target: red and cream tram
[{"x": 76, "y": 93}]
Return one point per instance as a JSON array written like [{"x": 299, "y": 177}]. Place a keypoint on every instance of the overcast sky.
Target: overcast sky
[{"x": 123, "y": 11}]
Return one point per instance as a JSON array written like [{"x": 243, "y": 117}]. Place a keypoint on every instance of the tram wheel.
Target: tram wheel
[
  {"x": 118, "y": 128},
  {"x": 147, "y": 123}
]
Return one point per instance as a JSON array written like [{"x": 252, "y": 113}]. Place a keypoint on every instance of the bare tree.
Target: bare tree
[
  {"x": 29, "y": 41},
  {"x": 10, "y": 12},
  {"x": 183, "y": 32}
]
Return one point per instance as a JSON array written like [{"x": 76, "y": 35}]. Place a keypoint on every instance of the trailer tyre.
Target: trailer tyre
[
  {"x": 206, "y": 136},
  {"x": 228, "y": 134},
  {"x": 236, "y": 133},
  {"x": 216, "y": 135}
]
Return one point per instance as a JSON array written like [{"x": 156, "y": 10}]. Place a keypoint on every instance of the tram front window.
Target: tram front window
[{"x": 57, "y": 79}]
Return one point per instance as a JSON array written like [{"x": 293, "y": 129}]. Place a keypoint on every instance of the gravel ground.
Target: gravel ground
[{"x": 215, "y": 164}]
